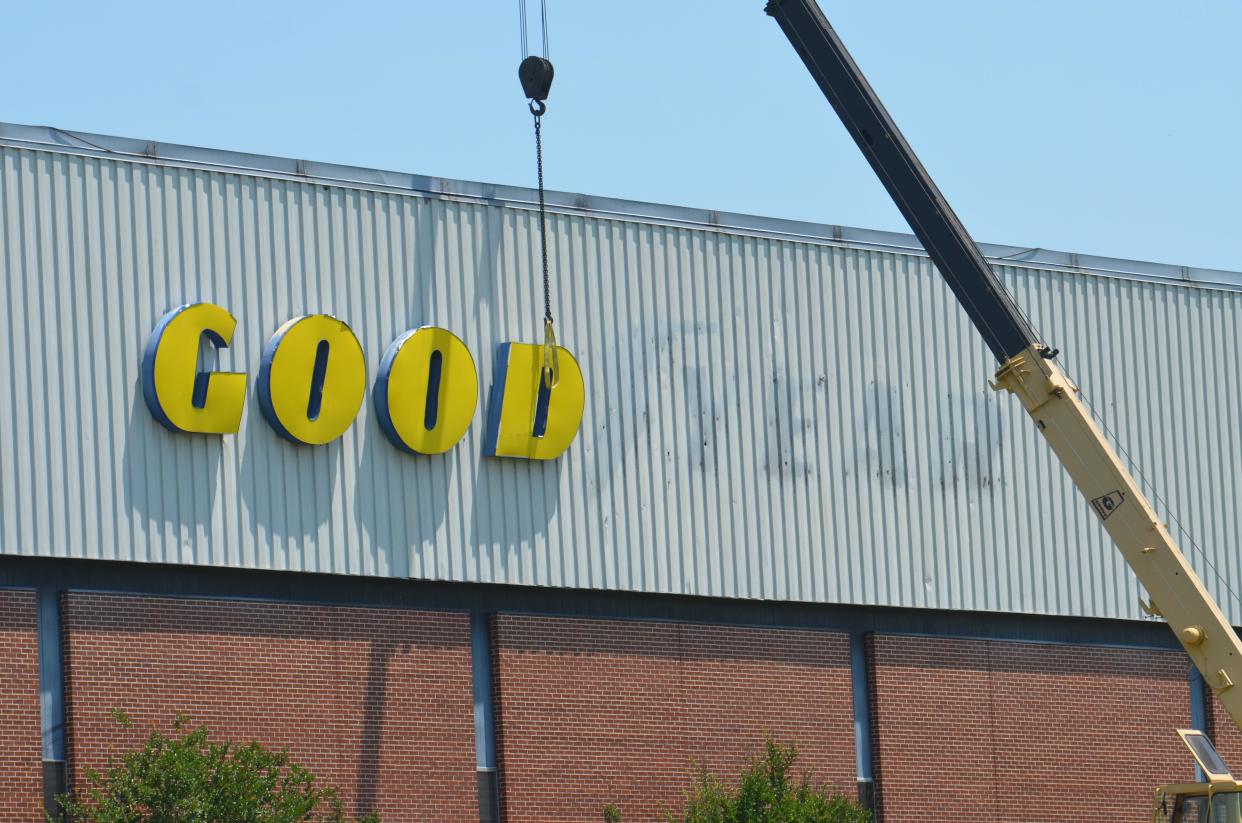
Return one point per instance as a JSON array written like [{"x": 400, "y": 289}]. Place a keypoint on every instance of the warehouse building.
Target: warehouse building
[{"x": 793, "y": 507}]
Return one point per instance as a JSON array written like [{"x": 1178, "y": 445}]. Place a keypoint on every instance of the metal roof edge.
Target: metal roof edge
[{"x": 49, "y": 138}]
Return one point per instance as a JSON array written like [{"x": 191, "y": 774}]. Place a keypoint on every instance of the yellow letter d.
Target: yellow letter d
[{"x": 526, "y": 418}]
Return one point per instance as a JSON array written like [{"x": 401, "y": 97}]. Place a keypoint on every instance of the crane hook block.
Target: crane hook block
[{"x": 536, "y": 76}]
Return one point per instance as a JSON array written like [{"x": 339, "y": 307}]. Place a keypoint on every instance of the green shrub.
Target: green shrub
[
  {"x": 186, "y": 778},
  {"x": 768, "y": 792}
]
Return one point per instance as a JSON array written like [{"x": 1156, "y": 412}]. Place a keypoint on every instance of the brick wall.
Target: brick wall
[
  {"x": 1223, "y": 732},
  {"x": 591, "y": 712},
  {"x": 973, "y": 730},
  {"x": 21, "y": 750},
  {"x": 376, "y": 701}
]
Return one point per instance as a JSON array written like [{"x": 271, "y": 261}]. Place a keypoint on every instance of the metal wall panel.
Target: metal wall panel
[{"x": 768, "y": 416}]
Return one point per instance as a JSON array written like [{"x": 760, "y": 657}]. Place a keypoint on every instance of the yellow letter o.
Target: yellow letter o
[
  {"x": 427, "y": 391},
  {"x": 312, "y": 379}
]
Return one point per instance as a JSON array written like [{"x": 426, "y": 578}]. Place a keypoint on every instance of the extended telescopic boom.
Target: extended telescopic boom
[
  {"x": 1027, "y": 369},
  {"x": 961, "y": 263}
]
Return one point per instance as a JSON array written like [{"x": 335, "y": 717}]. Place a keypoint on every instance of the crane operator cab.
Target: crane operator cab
[{"x": 1218, "y": 799}]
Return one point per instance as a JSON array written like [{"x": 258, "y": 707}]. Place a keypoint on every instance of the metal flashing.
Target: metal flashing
[
  {"x": 249, "y": 585},
  {"x": 50, "y": 138}
]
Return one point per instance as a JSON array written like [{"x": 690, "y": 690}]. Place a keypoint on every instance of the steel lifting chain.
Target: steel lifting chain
[
  {"x": 551, "y": 366},
  {"x": 536, "y": 74}
]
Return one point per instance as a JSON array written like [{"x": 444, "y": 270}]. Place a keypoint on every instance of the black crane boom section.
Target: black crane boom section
[{"x": 942, "y": 234}]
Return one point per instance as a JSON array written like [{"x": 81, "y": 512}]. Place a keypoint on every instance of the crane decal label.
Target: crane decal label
[{"x": 1106, "y": 504}]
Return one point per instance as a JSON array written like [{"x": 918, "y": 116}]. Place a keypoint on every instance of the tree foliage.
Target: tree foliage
[
  {"x": 768, "y": 792},
  {"x": 185, "y": 777}
]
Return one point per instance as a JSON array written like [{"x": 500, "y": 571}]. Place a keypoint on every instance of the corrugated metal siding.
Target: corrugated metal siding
[{"x": 766, "y": 418}]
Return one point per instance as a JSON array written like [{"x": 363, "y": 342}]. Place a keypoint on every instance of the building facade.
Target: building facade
[{"x": 793, "y": 507}]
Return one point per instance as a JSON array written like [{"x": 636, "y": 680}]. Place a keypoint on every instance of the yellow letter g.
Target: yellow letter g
[{"x": 178, "y": 394}]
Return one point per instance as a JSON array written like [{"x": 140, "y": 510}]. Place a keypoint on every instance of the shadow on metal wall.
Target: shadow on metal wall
[
  {"x": 400, "y": 499},
  {"x": 514, "y": 504},
  {"x": 170, "y": 480},
  {"x": 288, "y": 492}
]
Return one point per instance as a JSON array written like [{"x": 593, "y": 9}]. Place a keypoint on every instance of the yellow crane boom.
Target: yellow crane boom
[
  {"x": 1028, "y": 370},
  {"x": 1052, "y": 400}
]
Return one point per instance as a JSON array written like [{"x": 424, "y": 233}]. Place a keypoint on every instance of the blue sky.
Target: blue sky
[{"x": 1103, "y": 127}]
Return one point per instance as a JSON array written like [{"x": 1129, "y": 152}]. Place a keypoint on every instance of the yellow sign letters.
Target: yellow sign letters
[
  {"x": 426, "y": 391},
  {"x": 178, "y": 393},
  {"x": 526, "y": 418},
  {"x": 312, "y": 381}
]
